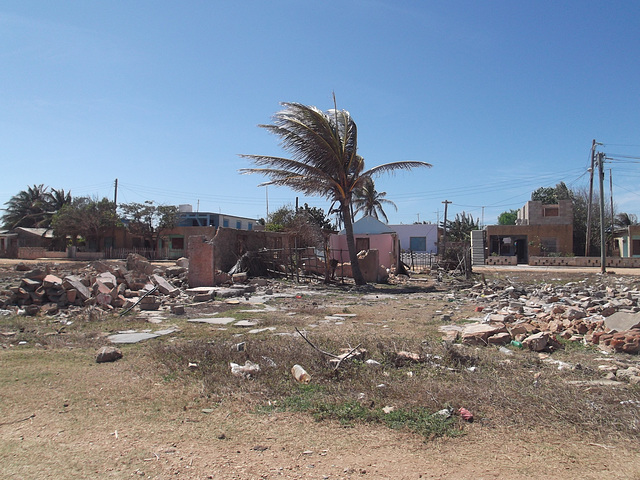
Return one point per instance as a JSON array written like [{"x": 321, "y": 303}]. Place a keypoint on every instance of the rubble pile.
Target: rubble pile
[
  {"x": 605, "y": 314},
  {"x": 110, "y": 285},
  {"x": 114, "y": 284}
]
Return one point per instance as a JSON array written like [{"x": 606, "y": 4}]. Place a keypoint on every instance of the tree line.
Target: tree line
[{"x": 76, "y": 220}]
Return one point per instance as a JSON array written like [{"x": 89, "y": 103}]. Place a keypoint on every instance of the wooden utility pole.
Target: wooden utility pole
[
  {"x": 444, "y": 231},
  {"x": 593, "y": 159},
  {"x": 611, "y": 194},
  {"x": 603, "y": 253},
  {"x": 115, "y": 194}
]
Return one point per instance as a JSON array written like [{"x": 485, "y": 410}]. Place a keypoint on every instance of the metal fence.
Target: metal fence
[{"x": 418, "y": 260}]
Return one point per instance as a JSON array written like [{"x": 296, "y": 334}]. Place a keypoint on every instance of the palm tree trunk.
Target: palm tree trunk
[{"x": 351, "y": 245}]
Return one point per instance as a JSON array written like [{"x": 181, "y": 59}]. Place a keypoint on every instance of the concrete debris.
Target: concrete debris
[
  {"x": 606, "y": 314},
  {"x": 135, "y": 337},
  {"x": 112, "y": 285}
]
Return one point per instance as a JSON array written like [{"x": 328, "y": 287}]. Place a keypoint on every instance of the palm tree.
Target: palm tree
[
  {"x": 625, "y": 219},
  {"x": 58, "y": 199},
  {"x": 324, "y": 161},
  {"x": 27, "y": 208},
  {"x": 459, "y": 230},
  {"x": 34, "y": 207},
  {"x": 368, "y": 201}
]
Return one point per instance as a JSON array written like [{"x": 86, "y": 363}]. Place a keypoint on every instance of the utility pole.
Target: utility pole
[
  {"x": 418, "y": 218},
  {"x": 115, "y": 213},
  {"x": 266, "y": 192},
  {"x": 603, "y": 253},
  {"x": 444, "y": 232},
  {"x": 611, "y": 194},
  {"x": 589, "y": 207}
]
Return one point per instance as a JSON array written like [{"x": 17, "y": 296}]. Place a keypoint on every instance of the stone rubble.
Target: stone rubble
[
  {"x": 605, "y": 313},
  {"x": 112, "y": 285}
]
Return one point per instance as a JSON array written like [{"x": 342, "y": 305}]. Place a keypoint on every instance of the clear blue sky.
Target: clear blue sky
[{"x": 502, "y": 97}]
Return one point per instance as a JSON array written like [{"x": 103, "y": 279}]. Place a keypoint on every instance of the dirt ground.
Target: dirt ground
[{"x": 63, "y": 416}]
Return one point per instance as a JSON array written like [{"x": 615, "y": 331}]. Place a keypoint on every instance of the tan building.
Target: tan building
[
  {"x": 627, "y": 241},
  {"x": 540, "y": 230}
]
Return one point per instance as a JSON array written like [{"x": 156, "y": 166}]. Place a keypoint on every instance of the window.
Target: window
[
  {"x": 177, "y": 243},
  {"x": 635, "y": 247},
  {"x": 418, "y": 244},
  {"x": 551, "y": 212},
  {"x": 250, "y": 226},
  {"x": 549, "y": 245},
  {"x": 362, "y": 244},
  {"x": 239, "y": 224},
  {"x": 225, "y": 223}
]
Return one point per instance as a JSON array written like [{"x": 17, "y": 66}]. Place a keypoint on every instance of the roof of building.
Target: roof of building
[
  {"x": 39, "y": 232},
  {"x": 368, "y": 225}
]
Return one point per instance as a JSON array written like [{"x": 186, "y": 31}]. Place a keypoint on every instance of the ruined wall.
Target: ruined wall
[
  {"x": 230, "y": 244},
  {"x": 200, "y": 253},
  {"x": 206, "y": 256}
]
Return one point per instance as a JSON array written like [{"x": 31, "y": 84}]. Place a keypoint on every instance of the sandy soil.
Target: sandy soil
[
  {"x": 124, "y": 423},
  {"x": 63, "y": 416}
]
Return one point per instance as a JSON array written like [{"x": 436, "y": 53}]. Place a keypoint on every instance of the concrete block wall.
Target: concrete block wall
[
  {"x": 201, "y": 270},
  {"x": 584, "y": 262},
  {"x": 501, "y": 260}
]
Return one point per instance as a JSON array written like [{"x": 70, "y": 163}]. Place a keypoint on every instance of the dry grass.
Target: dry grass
[
  {"x": 502, "y": 391},
  {"x": 519, "y": 391}
]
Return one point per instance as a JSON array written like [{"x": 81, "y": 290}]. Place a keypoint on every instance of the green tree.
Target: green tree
[
  {"x": 459, "y": 229},
  {"x": 325, "y": 161},
  {"x": 315, "y": 216},
  {"x": 307, "y": 223},
  {"x": 508, "y": 218},
  {"x": 280, "y": 219},
  {"x": 28, "y": 208},
  {"x": 551, "y": 195},
  {"x": 85, "y": 217},
  {"x": 149, "y": 220},
  {"x": 368, "y": 201}
]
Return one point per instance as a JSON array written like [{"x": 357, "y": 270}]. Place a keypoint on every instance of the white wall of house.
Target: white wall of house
[{"x": 418, "y": 237}]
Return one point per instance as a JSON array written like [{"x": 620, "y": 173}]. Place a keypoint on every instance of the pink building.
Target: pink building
[{"x": 369, "y": 234}]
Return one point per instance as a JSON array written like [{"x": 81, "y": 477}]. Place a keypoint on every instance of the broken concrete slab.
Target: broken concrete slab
[
  {"x": 479, "y": 333},
  {"x": 260, "y": 330},
  {"x": 213, "y": 320},
  {"x": 51, "y": 281},
  {"x": 73, "y": 282},
  {"x": 536, "y": 342},
  {"x": 108, "y": 279},
  {"x": 135, "y": 337},
  {"x": 164, "y": 286},
  {"x": 246, "y": 323},
  {"x": 622, "y": 321}
]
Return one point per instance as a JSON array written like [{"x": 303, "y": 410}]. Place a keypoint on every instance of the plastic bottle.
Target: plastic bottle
[{"x": 300, "y": 374}]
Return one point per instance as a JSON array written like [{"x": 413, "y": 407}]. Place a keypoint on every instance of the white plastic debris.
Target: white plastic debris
[{"x": 249, "y": 368}]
